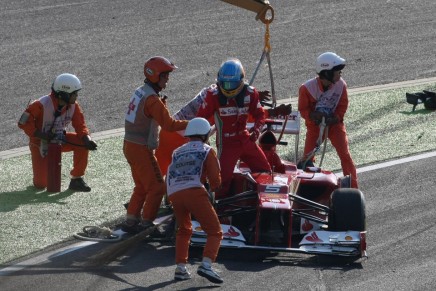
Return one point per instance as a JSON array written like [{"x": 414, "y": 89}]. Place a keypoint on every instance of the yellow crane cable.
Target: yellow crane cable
[{"x": 267, "y": 47}]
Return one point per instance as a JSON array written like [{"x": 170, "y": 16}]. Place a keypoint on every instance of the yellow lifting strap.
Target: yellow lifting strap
[{"x": 267, "y": 46}]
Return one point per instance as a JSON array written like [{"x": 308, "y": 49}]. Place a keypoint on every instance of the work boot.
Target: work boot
[
  {"x": 134, "y": 226},
  {"x": 79, "y": 185},
  {"x": 129, "y": 225},
  {"x": 209, "y": 273},
  {"x": 181, "y": 274}
]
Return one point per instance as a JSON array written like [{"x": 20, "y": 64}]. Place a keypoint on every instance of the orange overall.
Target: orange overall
[
  {"x": 168, "y": 142},
  {"x": 34, "y": 121},
  {"x": 195, "y": 201},
  {"x": 337, "y": 133},
  {"x": 140, "y": 141}
]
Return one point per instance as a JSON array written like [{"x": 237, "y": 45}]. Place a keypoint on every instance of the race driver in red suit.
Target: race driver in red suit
[
  {"x": 230, "y": 103},
  {"x": 326, "y": 96}
]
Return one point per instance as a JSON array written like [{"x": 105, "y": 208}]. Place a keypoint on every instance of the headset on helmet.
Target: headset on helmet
[
  {"x": 231, "y": 77},
  {"x": 197, "y": 126},
  {"x": 155, "y": 66},
  {"x": 66, "y": 84},
  {"x": 327, "y": 63}
]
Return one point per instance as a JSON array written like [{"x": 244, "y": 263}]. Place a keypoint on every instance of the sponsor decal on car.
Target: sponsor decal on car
[
  {"x": 306, "y": 225},
  {"x": 313, "y": 237},
  {"x": 231, "y": 233}
]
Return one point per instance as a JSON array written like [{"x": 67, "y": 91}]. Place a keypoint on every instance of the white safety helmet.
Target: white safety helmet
[
  {"x": 67, "y": 83},
  {"x": 197, "y": 126},
  {"x": 329, "y": 61}
]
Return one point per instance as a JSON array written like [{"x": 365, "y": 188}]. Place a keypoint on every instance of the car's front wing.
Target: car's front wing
[{"x": 321, "y": 242}]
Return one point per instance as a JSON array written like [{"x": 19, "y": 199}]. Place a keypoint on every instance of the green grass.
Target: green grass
[
  {"x": 380, "y": 127},
  {"x": 33, "y": 220}
]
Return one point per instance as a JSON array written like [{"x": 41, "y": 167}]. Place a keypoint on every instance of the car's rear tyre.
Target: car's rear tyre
[{"x": 347, "y": 210}]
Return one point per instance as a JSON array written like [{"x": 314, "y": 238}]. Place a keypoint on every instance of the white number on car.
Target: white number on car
[{"x": 272, "y": 189}]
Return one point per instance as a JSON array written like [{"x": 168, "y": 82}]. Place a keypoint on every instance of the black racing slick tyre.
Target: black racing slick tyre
[
  {"x": 430, "y": 103},
  {"x": 347, "y": 210}
]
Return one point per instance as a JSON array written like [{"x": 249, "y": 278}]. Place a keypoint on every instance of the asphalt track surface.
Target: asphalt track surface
[
  {"x": 106, "y": 42},
  {"x": 401, "y": 234}
]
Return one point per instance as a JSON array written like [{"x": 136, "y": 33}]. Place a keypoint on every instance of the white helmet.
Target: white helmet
[
  {"x": 67, "y": 83},
  {"x": 197, "y": 126},
  {"x": 329, "y": 61}
]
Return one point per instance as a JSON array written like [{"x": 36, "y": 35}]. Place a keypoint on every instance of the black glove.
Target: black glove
[
  {"x": 264, "y": 96},
  {"x": 89, "y": 143},
  {"x": 430, "y": 103},
  {"x": 285, "y": 109},
  {"x": 44, "y": 135},
  {"x": 316, "y": 116},
  {"x": 331, "y": 119},
  {"x": 282, "y": 110}
]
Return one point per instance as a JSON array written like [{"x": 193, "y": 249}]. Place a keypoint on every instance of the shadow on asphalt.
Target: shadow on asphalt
[
  {"x": 242, "y": 260},
  {"x": 10, "y": 201},
  {"x": 156, "y": 255}
]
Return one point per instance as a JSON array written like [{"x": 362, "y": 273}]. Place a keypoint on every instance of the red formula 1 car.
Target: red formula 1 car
[{"x": 292, "y": 210}]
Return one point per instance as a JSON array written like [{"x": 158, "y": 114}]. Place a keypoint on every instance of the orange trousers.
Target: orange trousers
[
  {"x": 40, "y": 164},
  {"x": 195, "y": 201},
  {"x": 337, "y": 135},
  {"x": 168, "y": 142},
  {"x": 149, "y": 184}
]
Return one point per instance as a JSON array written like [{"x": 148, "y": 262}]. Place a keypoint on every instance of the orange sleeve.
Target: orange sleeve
[
  {"x": 306, "y": 103},
  {"x": 155, "y": 108},
  {"x": 35, "y": 113},
  {"x": 78, "y": 122},
  {"x": 211, "y": 170}
]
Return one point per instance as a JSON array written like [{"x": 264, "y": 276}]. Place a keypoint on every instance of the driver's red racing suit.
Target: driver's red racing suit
[{"x": 232, "y": 139}]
